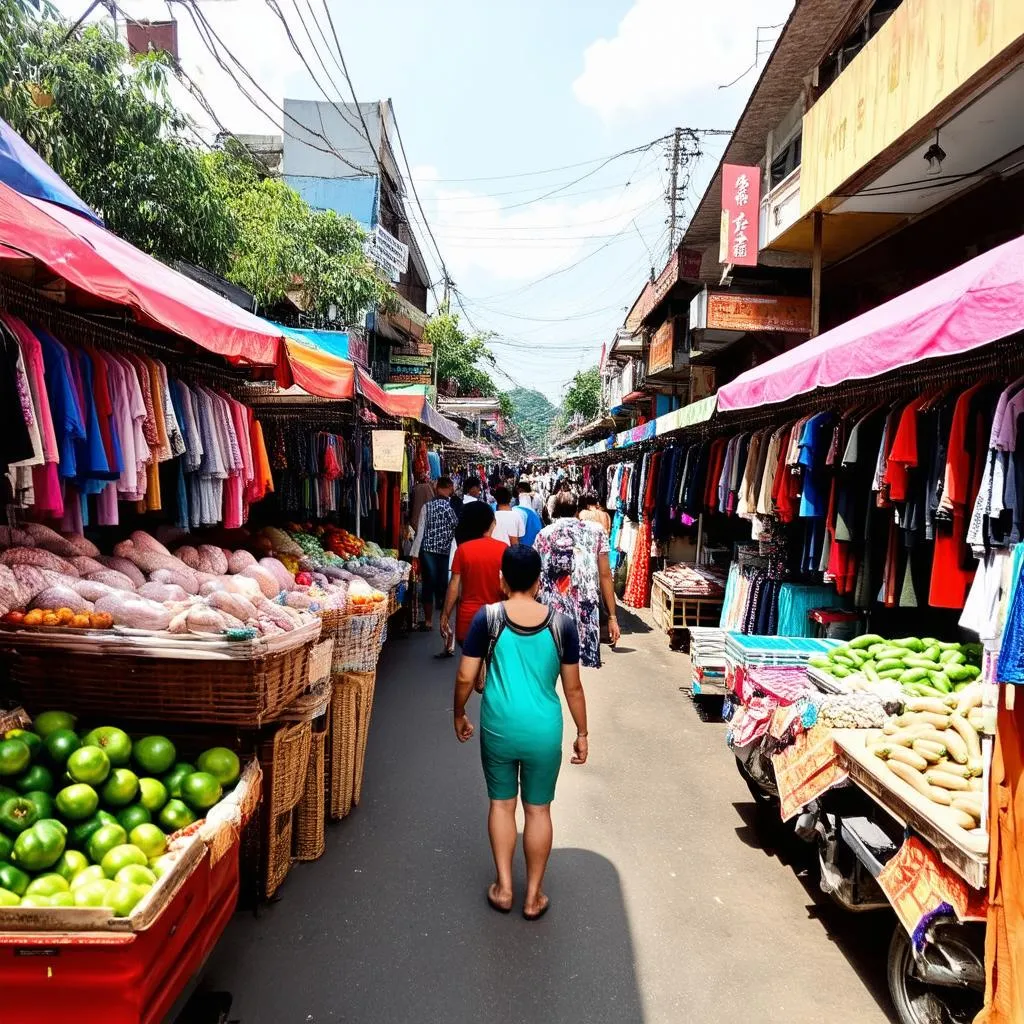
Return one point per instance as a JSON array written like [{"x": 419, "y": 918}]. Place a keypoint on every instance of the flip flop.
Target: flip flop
[
  {"x": 445, "y": 654},
  {"x": 539, "y": 914},
  {"x": 497, "y": 906}
]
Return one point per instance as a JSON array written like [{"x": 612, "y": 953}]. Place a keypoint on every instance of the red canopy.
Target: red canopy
[
  {"x": 318, "y": 372},
  {"x": 98, "y": 263},
  {"x": 973, "y": 305}
]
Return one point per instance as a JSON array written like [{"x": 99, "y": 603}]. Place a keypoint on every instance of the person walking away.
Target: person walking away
[
  {"x": 431, "y": 548},
  {"x": 508, "y": 523},
  {"x": 561, "y": 491},
  {"x": 591, "y": 512},
  {"x": 528, "y": 513},
  {"x": 576, "y": 575},
  {"x": 476, "y": 571},
  {"x": 527, "y": 496},
  {"x": 524, "y": 647}
]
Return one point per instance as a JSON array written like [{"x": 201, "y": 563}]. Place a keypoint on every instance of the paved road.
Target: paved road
[{"x": 671, "y": 902}]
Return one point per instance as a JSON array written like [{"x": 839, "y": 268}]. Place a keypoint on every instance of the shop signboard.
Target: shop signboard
[
  {"x": 660, "y": 354},
  {"x": 735, "y": 311},
  {"x": 741, "y": 211},
  {"x": 926, "y": 55},
  {"x": 391, "y": 255},
  {"x": 388, "y": 450}
]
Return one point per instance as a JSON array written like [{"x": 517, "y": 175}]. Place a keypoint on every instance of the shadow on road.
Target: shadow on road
[{"x": 862, "y": 938}]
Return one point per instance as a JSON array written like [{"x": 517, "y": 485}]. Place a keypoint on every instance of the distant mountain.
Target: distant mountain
[{"x": 534, "y": 415}]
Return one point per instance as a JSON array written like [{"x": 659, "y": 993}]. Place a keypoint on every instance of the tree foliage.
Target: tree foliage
[
  {"x": 107, "y": 126},
  {"x": 105, "y": 121},
  {"x": 534, "y": 415},
  {"x": 462, "y": 360},
  {"x": 284, "y": 246},
  {"x": 583, "y": 395}
]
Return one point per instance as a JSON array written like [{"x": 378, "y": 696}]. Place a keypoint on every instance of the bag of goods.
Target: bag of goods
[
  {"x": 12, "y": 537},
  {"x": 187, "y": 580},
  {"x": 54, "y": 598},
  {"x": 280, "y": 542},
  {"x": 240, "y": 560},
  {"x": 269, "y": 584},
  {"x": 113, "y": 578},
  {"x": 189, "y": 555},
  {"x": 40, "y": 558},
  {"x": 277, "y": 568},
  {"x": 363, "y": 599},
  {"x": 135, "y": 612},
  {"x": 851, "y": 711},
  {"x": 233, "y": 604},
  {"x": 66, "y": 547},
  {"x": 130, "y": 569},
  {"x": 86, "y": 565},
  {"x": 212, "y": 560},
  {"x": 163, "y": 592}
]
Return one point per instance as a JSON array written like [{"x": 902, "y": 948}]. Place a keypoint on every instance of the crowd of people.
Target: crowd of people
[{"x": 460, "y": 540}]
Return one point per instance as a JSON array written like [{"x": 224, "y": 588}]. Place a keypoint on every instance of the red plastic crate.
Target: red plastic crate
[{"x": 119, "y": 977}]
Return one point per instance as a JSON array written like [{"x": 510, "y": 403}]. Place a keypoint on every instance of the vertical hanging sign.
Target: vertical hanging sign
[{"x": 741, "y": 210}]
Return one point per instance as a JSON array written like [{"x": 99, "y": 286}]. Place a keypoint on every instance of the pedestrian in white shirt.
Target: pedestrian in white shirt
[{"x": 508, "y": 523}]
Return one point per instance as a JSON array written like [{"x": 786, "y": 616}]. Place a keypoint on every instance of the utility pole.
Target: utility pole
[{"x": 673, "y": 189}]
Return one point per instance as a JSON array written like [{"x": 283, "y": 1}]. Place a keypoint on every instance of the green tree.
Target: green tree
[
  {"x": 583, "y": 395},
  {"x": 461, "y": 360},
  {"x": 284, "y": 246},
  {"x": 105, "y": 122}
]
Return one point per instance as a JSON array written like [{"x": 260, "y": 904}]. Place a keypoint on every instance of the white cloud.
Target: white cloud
[{"x": 666, "y": 50}]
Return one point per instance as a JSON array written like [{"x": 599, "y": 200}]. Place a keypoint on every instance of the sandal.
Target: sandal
[
  {"x": 494, "y": 904},
  {"x": 445, "y": 654},
  {"x": 540, "y": 913}
]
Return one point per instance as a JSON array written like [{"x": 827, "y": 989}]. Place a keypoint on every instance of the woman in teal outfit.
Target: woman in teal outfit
[{"x": 526, "y": 646}]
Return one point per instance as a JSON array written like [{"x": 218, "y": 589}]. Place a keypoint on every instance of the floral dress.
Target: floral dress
[{"x": 570, "y": 581}]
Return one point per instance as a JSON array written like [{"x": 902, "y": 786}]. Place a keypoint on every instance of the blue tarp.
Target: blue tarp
[{"x": 24, "y": 170}]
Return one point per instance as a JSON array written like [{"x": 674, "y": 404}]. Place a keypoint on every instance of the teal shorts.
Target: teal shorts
[{"x": 533, "y": 775}]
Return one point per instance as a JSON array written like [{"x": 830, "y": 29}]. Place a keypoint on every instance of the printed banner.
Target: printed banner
[
  {"x": 388, "y": 450},
  {"x": 741, "y": 211},
  {"x": 806, "y": 769},
  {"x": 920, "y": 887}
]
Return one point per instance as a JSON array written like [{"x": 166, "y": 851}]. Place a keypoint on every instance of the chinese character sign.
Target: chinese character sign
[{"x": 741, "y": 206}]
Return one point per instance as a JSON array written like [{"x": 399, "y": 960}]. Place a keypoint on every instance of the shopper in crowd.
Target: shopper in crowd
[
  {"x": 563, "y": 489},
  {"x": 508, "y": 522},
  {"x": 422, "y": 492},
  {"x": 476, "y": 570},
  {"x": 435, "y": 528},
  {"x": 523, "y": 648},
  {"x": 591, "y": 512},
  {"x": 532, "y": 524},
  {"x": 528, "y": 497},
  {"x": 576, "y": 576}
]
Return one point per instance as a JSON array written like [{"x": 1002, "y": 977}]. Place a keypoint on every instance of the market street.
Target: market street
[{"x": 668, "y": 904}]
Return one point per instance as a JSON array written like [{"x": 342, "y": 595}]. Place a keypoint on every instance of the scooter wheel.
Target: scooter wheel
[{"x": 917, "y": 1002}]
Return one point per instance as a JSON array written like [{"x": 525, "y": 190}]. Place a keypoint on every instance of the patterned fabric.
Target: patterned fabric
[
  {"x": 439, "y": 525},
  {"x": 570, "y": 580},
  {"x": 638, "y": 583}
]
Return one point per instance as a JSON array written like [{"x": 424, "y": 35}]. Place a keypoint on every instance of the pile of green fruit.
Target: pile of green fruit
[
  {"x": 84, "y": 818},
  {"x": 924, "y": 667}
]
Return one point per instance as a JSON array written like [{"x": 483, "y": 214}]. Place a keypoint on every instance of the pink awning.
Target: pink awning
[
  {"x": 98, "y": 263},
  {"x": 973, "y": 305}
]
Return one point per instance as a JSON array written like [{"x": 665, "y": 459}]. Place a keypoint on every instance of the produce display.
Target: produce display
[
  {"x": 922, "y": 667},
  {"x": 852, "y": 711},
  {"x": 85, "y": 816},
  {"x": 269, "y": 586},
  {"x": 935, "y": 747}
]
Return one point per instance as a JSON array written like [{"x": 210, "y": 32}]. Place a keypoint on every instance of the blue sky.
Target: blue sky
[{"x": 489, "y": 89}]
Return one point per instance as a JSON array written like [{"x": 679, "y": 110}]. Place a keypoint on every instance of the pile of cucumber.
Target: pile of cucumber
[{"x": 923, "y": 666}]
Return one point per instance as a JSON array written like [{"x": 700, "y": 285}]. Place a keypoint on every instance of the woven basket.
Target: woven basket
[
  {"x": 351, "y": 708},
  {"x": 310, "y": 814},
  {"x": 278, "y": 853},
  {"x": 241, "y": 692},
  {"x": 358, "y": 640},
  {"x": 284, "y": 757}
]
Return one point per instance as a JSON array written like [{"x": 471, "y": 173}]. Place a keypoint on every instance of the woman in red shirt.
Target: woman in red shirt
[{"x": 476, "y": 570}]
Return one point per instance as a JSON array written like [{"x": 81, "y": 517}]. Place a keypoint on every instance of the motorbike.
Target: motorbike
[{"x": 939, "y": 981}]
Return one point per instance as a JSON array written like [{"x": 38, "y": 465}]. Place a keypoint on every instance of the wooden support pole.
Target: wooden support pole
[{"x": 817, "y": 221}]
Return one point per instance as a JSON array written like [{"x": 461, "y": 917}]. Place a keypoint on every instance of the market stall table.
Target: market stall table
[{"x": 965, "y": 852}]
